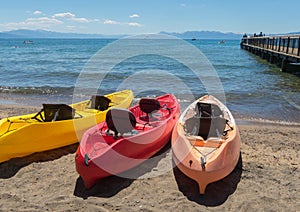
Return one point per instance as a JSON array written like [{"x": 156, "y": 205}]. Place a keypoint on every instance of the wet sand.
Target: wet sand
[{"x": 267, "y": 178}]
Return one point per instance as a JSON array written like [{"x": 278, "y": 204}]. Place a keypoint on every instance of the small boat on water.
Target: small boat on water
[
  {"x": 206, "y": 141},
  {"x": 56, "y": 125},
  {"x": 27, "y": 42},
  {"x": 222, "y": 41},
  {"x": 126, "y": 138}
]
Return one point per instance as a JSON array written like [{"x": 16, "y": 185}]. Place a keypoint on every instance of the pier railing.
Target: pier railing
[
  {"x": 281, "y": 44},
  {"x": 280, "y": 49}
]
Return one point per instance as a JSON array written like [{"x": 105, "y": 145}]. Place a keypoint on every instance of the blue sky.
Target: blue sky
[{"x": 151, "y": 16}]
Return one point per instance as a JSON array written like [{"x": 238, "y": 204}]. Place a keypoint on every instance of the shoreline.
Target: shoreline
[
  {"x": 15, "y": 110},
  {"x": 266, "y": 178}
]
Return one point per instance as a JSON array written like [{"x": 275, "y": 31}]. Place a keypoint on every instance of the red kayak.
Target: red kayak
[{"x": 126, "y": 138}]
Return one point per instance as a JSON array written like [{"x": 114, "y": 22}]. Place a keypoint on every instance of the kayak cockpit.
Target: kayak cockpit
[
  {"x": 207, "y": 126},
  {"x": 123, "y": 123},
  {"x": 59, "y": 112},
  {"x": 55, "y": 112}
]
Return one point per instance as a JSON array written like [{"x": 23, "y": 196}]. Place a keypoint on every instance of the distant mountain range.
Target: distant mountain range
[
  {"x": 29, "y": 34},
  {"x": 205, "y": 35},
  {"x": 293, "y": 33},
  {"x": 25, "y": 34}
]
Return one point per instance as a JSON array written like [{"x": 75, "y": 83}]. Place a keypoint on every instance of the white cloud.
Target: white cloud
[
  {"x": 43, "y": 20},
  {"x": 134, "y": 16},
  {"x": 71, "y": 27},
  {"x": 82, "y": 20},
  {"x": 67, "y": 15},
  {"x": 72, "y": 17},
  {"x": 111, "y": 22},
  {"x": 183, "y": 5},
  {"x": 62, "y": 21},
  {"x": 37, "y": 12},
  {"x": 33, "y": 23},
  {"x": 134, "y": 24}
]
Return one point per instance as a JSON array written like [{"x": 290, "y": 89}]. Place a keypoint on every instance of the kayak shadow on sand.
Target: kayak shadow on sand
[
  {"x": 11, "y": 167},
  {"x": 216, "y": 193},
  {"x": 110, "y": 186},
  {"x": 106, "y": 187}
]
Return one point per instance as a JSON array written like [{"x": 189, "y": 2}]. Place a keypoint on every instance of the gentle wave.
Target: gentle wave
[
  {"x": 255, "y": 121},
  {"x": 36, "y": 90}
]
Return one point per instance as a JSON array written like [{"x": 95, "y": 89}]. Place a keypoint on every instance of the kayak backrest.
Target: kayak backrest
[
  {"x": 148, "y": 106},
  {"x": 99, "y": 102},
  {"x": 211, "y": 127},
  {"x": 205, "y": 126},
  {"x": 204, "y": 109},
  {"x": 208, "y": 110},
  {"x": 58, "y": 112},
  {"x": 120, "y": 120}
]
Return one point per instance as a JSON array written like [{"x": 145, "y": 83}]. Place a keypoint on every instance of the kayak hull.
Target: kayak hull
[
  {"x": 22, "y": 135},
  {"x": 100, "y": 155},
  {"x": 206, "y": 160}
]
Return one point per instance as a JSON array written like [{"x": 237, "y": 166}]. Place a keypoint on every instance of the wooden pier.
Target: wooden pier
[{"x": 281, "y": 50}]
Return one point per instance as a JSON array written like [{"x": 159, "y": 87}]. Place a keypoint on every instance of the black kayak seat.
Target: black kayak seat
[
  {"x": 99, "y": 102},
  {"x": 148, "y": 106},
  {"x": 120, "y": 120},
  {"x": 211, "y": 127},
  {"x": 205, "y": 126},
  {"x": 57, "y": 112},
  {"x": 208, "y": 110}
]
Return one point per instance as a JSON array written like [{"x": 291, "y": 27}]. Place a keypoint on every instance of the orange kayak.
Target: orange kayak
[{"x": 206, "y": 141}]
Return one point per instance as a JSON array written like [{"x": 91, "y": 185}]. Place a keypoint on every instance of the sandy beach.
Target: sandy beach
[{"x": 267, "y": 178}]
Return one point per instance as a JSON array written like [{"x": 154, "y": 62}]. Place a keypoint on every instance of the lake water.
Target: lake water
[{"x": 58, "y": 70}]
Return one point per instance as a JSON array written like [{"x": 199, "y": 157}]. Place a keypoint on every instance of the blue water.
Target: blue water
[{"x": 49, "y": 69}]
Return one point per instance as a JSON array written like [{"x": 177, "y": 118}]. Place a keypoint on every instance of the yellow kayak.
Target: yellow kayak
[{"x": 56, "y": 125}]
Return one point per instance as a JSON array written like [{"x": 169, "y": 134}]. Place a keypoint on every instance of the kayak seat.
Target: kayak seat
[
  {"x": 208, "y": 110},
  {"x": 148, "y": 106},
  {"x": 204, "y": 109},
  {"x": 100, "y": 102},
  {"x": 57, "y": 112},
  {"x": 205, "y": 126},
  {"x": 120, "y": 120},
  {"x": 211, "y": 127}
]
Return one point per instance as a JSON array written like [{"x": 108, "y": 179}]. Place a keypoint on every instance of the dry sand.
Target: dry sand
[{"x": 266, "y": 179}]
